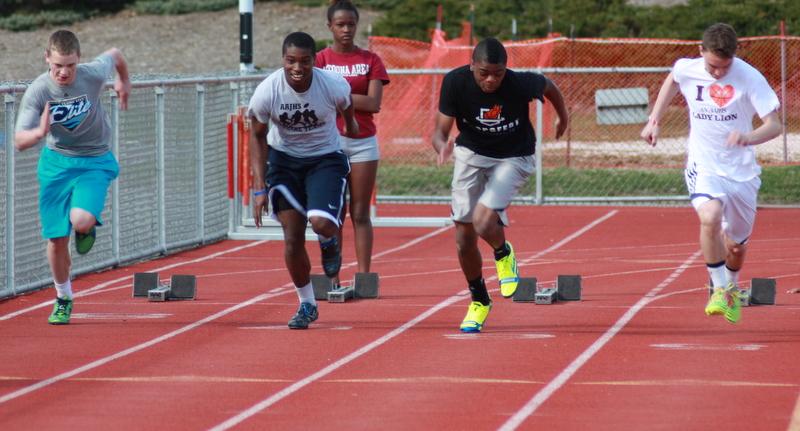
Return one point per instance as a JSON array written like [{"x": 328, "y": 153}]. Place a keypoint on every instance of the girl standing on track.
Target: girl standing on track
[{"x": 365, "y": 73}]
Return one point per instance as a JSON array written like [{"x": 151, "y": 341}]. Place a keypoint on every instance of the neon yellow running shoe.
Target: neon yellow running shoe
[
  {"x": 476, "y": 315},
  {"x": 508, "y": 273},
  {"x": 718, "y": 303},
  {"x": 734, "y": 310}
]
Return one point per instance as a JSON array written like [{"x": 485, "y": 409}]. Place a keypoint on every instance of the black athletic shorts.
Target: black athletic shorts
[{"x": 313, "y": 186}]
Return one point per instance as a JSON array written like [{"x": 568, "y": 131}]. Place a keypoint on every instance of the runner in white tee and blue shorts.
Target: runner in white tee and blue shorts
[
  {"x": 306, "y": 175},
  {"x": 722, "y": 93}
]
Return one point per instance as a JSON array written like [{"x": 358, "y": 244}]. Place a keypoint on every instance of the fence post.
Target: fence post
[
  {"x": 115, "y": 234},
  {"x": 234, "y": 214},
  {"x": 201, "y": 159},
  {"x": 538, "y": 152},
  {"x": 783, "y": 91},
  {"x": 160, "y": 170},
  {"x": 9, "y": 140}
]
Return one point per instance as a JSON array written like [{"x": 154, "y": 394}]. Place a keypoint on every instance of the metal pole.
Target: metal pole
[
  {"x": 783, "y": 91},
  {"x": 538, "y": 151},
  {"x": 246, "y": 36},
  {"x": 115, "y": 211},
  {"x": 201, "y": 160},
  {"x": 513, "y": 29},
  {"x": 236, "y": 218},
  {"x": 9, "y": 139},
  {"x": 160, "y": 170}
]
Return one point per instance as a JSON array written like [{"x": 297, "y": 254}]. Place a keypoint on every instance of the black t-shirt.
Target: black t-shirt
[{"x": 492, "y": 124}]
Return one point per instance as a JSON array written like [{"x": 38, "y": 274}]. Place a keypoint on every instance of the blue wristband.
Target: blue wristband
[{"x": 260, "y": 192}]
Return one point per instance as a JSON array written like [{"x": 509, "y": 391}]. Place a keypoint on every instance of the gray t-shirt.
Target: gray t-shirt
[
  {"x": 78, "y": 124},
  {"x": 301, "y": 124}
]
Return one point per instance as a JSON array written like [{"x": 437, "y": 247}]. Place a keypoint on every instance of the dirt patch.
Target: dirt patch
[{"x": 198, "y": 43}]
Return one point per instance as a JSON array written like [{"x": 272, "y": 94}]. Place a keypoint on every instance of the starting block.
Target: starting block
[
  {"x": 180, "y": 287},
  {"x": 760, "y": 292},
  {"x": 568, "y": 288},
  {"x": 365, "y": 285}
]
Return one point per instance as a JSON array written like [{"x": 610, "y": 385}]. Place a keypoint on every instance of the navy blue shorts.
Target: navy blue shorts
[{"x": 313, "y": 186}]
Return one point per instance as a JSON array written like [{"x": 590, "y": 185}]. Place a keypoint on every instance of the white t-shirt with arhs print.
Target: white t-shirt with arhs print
[{"x": 718, "y": 107}]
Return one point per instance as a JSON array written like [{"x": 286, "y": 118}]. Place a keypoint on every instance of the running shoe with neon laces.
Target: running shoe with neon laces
[
  {"x": 507, "y": 273},
  {"x": 331, "y": 257},
  {"x": 306, "y": 314},
  {"x": 476, "y": 315},
  {"x": 734, "y": 310},
  {"x": 62, "y": 309},
  {"x": 85, "y": 241},
  {"x": 718, "y": 303}
]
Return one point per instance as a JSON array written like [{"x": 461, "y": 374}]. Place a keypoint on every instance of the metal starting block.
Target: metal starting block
[
  {"x": 180, "y": 287},
  {"x": 568, "y": 288},
  {"x": 760, "y": 292},
  {"x": 365, "y": 286}
]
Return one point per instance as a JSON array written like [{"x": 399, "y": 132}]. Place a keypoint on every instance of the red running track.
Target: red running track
[{"x": 636, "y": 353}]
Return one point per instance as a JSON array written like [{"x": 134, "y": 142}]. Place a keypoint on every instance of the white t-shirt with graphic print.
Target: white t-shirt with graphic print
[
  {"x": 301, "y": 124},
  {"x": 718, "y": 107}
]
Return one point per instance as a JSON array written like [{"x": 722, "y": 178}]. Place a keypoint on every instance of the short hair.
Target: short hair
[
  {"x": 337, "y": 5},
  {"x": 64, "y": 42},
  {"x": 720, "y": 40},
  {"x": 299, "y": 40},
  {"x": 491, "y": 51}
]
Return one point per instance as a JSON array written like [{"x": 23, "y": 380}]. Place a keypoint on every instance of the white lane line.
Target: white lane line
[
  {"x": 500, "y": 336},
  {"x": 138, "y": 347},
  {"x": 128, "y": 277},
  {"x": 534, "y": 403},
  {"x": 702, "y": 346},
  {"x": 47, "y": 382},
  {"x": 120, "y": 316},
  {"x": 289, "y": 390},
  {"x": 794, "y": 425}
]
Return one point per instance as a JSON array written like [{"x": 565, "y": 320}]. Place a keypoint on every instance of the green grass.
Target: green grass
[
  {"x": 780, "y": 184},
  {"x": 52, "y": 18},
  {"x": 177, "y": 7}
]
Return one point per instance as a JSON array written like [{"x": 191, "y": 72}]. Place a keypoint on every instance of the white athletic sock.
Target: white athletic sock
[
  {"x": 306, "y": 294},
  {"x": 733, "y": 276},
  {"x": 717, "y": 274},
  {"x": 64, "y": 291}
]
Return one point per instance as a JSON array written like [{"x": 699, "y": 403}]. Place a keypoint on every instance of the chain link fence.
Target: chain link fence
[
  {"x": 173, "y": 192},
  {"x": 609, "y": 86}
]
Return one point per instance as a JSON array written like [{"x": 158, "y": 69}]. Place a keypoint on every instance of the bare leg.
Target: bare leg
[
  {"x": 736, "y": 254},
  {"x": 82, "y": 220},
  {"x": 362, "y": 183},
  {"x": 711, "y": 238},
  {"x": 59, "y": 258},
  {"x": 487, "y": 225},
  {"x": 295, "y": 255},
  {"x": 469, "y": 256}
]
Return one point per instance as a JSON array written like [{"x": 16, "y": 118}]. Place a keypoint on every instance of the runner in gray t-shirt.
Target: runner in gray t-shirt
[
  {"x": 307, "y": 169},
  {"x": 76, "y": 165}
]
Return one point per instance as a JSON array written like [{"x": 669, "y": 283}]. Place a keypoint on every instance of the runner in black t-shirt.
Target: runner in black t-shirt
[{"x": 493, "y": 159}]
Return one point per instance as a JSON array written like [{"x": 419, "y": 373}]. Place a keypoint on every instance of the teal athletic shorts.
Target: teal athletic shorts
[{"x": 72, "y": 182}]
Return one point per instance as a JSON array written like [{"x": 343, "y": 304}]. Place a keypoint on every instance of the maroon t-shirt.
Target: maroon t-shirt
[{"x": 358, "y": 68}]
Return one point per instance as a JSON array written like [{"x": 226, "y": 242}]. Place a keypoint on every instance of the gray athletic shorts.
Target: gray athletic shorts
[
  {"x": 490, "y": 181},
  {"x": 360, "y": 150}
]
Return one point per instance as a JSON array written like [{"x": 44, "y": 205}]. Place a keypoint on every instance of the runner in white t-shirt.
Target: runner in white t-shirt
[
  {"x": 307, "y": 169},
  {"x": 723, "y": 93}
]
